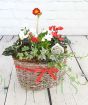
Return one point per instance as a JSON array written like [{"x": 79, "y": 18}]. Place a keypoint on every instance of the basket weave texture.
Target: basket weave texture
[{"x": 27, "y": 79}]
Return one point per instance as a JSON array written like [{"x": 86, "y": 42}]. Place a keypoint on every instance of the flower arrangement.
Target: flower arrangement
[
  {"x": 46, "y": 50},
  {"x": 44, "y": 47}
]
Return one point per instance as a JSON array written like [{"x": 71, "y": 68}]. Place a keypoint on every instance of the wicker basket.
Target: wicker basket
[{"x": 27, "y": 79}]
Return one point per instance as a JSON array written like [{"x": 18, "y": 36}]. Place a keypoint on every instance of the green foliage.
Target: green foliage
[
  {"x": 42, "y": 34},
  {"x": 34, "y": 52},
  {"x": 8, "y": 51},
  {"x": 20, "y": 55},
  {"x": 43, "y": 54},
  {"x": 25, "y": 30},
  {"x": 25, "y": 48},
  {"x": 45, "y": 44},
  {"x": 11, "y": 50},
  {"x": 73, "y": 78}
]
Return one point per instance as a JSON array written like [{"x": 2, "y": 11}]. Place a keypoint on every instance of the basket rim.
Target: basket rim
[{"x": 29, "y": 61}]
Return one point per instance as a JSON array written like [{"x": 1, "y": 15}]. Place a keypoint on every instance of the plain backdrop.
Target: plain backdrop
[{"x": 71, "y": 14}]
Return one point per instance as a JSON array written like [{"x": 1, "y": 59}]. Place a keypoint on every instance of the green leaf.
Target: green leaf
[
  {"x": 46, "y": 44},
  {"x": 43, "y": 51},
  {"x": 25, "y": 48},
  {"x": 43, "y": 54},
  {"x": 26, "y": 54},
  {"x": 41, "y": 35},
  {"x": 20, "y": 55},
  {"x": 25, "y": 31},
  {"x": 34, "y": 52},
  {"x": 8, "y": 51},
  {"x": 52, "y": 57},
  {"x": 30, "y": 56}
]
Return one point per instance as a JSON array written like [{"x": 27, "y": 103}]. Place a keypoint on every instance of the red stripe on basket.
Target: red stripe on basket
[{"x": 42, "y": 71}]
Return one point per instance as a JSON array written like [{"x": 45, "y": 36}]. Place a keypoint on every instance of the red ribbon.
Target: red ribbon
[{"x": 42, "y": 71}]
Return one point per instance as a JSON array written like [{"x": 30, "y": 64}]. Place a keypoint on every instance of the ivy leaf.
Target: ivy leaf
[
  {"x": 30, "y": 56},
  {"x": 26, "y": 54},
  {"x": 8, "y": 51},
  {"x": 42, "y": 57},
  {"x": 43, "y": 53},
  {"x": 25, "y": 48},
  {"x": 34, "y": 52},
  {"x": 53, "y": 58},
  {"x": 20, "y": 55}
]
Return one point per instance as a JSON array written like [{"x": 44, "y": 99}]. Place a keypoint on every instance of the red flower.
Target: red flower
[
  {"x": 55, "y": 34},
  {"x": 50, "y": 28},
  {"x": 61, "y": 39},
  {"x": 60, "y": 28},
  {"x": 54, "y": 28},
  {"x": 36, "y": 11},
  {"x": 34, "y": 39}
]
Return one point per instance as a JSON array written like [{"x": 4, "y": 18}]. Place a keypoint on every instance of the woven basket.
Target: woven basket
[{"x": 27, "y": 79}]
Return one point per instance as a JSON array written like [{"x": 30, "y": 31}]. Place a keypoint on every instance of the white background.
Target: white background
[{"x": 71, "y": 14}]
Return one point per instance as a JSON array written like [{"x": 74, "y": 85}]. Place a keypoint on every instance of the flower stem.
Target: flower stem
[{"x": 37, "y": 25}]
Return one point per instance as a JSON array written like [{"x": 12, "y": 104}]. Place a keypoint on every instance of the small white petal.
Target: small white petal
[
  {"x": 48, "y": 37},
  {"x": 25, "y": 36},
  {"x": 21, "y": 35}
]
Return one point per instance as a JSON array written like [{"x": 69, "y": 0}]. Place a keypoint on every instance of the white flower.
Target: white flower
[
  {"x": 22, "y": 35},
  {"x": 47, "y": 37},
  {"x": 57, "y": 49}
]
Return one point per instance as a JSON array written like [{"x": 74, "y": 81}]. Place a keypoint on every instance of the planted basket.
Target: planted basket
[
  {"x": 39, "y": 58},
  {"x": 37, "y": 76}
]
